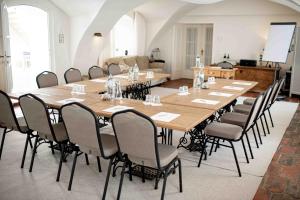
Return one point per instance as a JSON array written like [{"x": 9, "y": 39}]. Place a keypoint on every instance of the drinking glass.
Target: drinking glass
[
  {"x": 148, "y": 99},
  {"x": 156, "y": 99},
  {"x": 185, "y": 89}
]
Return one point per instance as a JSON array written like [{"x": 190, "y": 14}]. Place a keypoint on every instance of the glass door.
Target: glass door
[{"x": 28, "y": 44}]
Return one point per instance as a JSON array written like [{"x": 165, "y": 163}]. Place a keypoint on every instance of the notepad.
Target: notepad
[
  {"x": 121, "y": 76},
  {"x": 117, "y": 109},
  {"x": 42, "y": 94},
  {"x": 241, "y": 83},
  {"x": 73, "y": 84},
  {"x": 183, "y": 94},
  {"x": 233, "y": 88},
  {"x": 98, "y": 80},
  {"x": 141, "y": 74},
  {"x": 206, "y": 101},
  {"x": 70, "y": 100},
  {"x": 220, "y": 94},
  {"x": 165, "y": 116}
]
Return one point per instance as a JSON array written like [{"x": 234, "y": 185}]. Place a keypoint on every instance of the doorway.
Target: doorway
[{"x": 28, "y": 40}]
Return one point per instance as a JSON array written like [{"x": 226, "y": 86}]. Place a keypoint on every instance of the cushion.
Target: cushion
[
  {"x": 241, "y": 108},
  {"x": 234, "y": 118},
  {"x": 130, "y": 61},
  {"x": 124, "y": 67},
  {"x": 249, "y": 101},
  {"x": 167, "y": 154},
  {"x": 142, "y": 62},
  {"x": 224, "y": 130}
]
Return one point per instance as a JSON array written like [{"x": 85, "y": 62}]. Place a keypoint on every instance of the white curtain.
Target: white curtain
[{"x": 140, "y": 34}]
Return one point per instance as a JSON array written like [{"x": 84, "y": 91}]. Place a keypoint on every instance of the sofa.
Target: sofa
[{"x": 125, "y": 62}]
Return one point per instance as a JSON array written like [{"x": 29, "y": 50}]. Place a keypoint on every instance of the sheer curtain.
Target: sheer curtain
[{"x": 139, "y": 34}]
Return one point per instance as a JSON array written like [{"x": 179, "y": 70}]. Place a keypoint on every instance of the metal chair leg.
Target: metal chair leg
[
  {"x": 258, "y": 133},
  {"x": 25, "y": 151},
  {"x": 255, "y": 138},
  {"x": 250, "y": 148},
  {"x": 143, "y": 174},
  {"x": 212, "y": 146},
  {"x": 62, "y": 148},
  {"x": 164, "y": 186},
  {"x": 99, "y": 164},
  {"x": 73, "y": 170},
  {"x": 107, "y": 179},
  {"x": 235, "y": 158},
  {"x": 33, "y": 153},
  {"x": 121, "y": 181},
  {"x": 263, "y": 127},
  {"x": 203, "y": 150},
  {"x": 245, "y": 151},
  {"x": 271, "y": 119},
  {"x": 51, "y": 146},
  {"x": 180, "y": 175},
  {"x": 2, "y": 141},
  {"x": 217, "y": 145},
  {"x": 30, "y": 143},
  {"x": 267, "y": 125},
  {"x": 87, "y": 159}
]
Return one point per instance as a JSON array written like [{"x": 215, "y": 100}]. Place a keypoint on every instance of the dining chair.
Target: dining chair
[
  {"x": 37, "y": 118},
  {"x": 114, "y": 69},
  {"x": 136, "y": 136},
  {"x": 9, "y": 122},
  {"x": 95, "y": 72},
  {"x": 240, "y": 119},
  {"x": 230, "y": 133},
  {"x": 46, "y": 79},
  {"x": 72, "y": 75},
  {"x": 83, "y": 130}
]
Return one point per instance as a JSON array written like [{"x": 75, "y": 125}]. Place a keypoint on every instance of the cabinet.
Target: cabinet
[
  {"x": 263, "y": 75},
  {"x": 217, "y": 72}
]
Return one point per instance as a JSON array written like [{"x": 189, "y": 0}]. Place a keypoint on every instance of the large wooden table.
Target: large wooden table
[{"x": 191, "y": 114}]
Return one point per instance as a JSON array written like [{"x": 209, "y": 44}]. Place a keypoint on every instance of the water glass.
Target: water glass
[
  {"x": 148, "y": 99},
  {"x": 156, "y": 99},
  {"x": 181, "y": 90},
  {"x": 185, "y": 89}
]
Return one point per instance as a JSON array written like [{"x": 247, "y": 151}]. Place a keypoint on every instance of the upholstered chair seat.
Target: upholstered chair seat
[
  {"x": 224, "y": 130},
  {"x": 241, "y": 108},
  {"x": 234, "y": 118},
  {"x": 249, "y": 101},
  {"x": 59, "y": 132}
]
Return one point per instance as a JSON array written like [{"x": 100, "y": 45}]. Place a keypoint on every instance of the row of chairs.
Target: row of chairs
[
  {"x": 49, "y": 79},
  {"x": 80, "y": 132},
  {"x": 234, "y": 126}
]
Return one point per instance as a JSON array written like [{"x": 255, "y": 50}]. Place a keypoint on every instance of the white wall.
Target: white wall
[
  {"x": 240, "y": 26},
  {"x": 58, "y": 23}
]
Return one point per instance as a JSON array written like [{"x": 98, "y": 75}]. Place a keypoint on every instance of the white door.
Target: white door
[
  {"x": 5, "y": 67},
  {"x": 27, "y": 42}
]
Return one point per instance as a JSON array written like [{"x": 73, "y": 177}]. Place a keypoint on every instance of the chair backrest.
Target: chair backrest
[
  {"x": 254, "y": 112},
  {"x": 95, "y": 72},
  {"x": 225, "y": 65},
  {"x": 136, "y": 135},
  {"x": 36, "y": 116},
  {"x": 82, "y": 127},
  {"x": 266, "y": 98},
  {"x": 280, "y": 84},
  {"x": 46, "y": 79},
  {"x": 7, "y": 114},
  {"x": 273, "y": 94},
  {"x": 114, "y": 69},
  {"x": 72, "y": 75}
]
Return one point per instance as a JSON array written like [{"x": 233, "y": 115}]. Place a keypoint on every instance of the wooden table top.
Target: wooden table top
[
  {"x": 211, "y": 94},
  {"x": 221, "y": 83},
  {"x": 188, "y": 119}
]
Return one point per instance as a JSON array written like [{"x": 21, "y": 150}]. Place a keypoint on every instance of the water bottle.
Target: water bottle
[
  {"x": 198, "y": 61},
  {"x": 136, "y": 72}
]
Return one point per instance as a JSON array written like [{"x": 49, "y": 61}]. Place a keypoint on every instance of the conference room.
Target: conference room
[{"x": 149, "y": 99}]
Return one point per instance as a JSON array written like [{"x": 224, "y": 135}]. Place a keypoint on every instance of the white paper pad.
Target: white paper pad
[
  {"x": 241, "y": 83},
  {"x": 121, "y": 76},
  {"x": 220, "y": 94},
  {"x": 211, "y": 83},
  {"x": 78, "y": 93},
  {"x": 98, "y": 81},
  {"x": 183, "y": 94},
  {"x": 165, "y": 116},
  {"x": 117, "y": 109},
  {"x": 141, "y": 74},
  {"x": 233, "y": 88},
  {"x": 72, "y": 85},
  {"x": 42, "y": 94},
  {"x": 152, "y": 104},
  {"x": 206, "y": 101},
  {"x": 70, "y": 100}
]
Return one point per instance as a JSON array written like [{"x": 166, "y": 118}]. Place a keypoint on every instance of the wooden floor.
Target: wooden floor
[{"x": 189, "y": 82}]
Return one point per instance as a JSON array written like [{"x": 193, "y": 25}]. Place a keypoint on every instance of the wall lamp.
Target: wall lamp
[{"x": 98, "y": 34}]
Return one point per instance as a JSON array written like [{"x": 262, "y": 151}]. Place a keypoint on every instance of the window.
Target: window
[{"x": 123, "y": 37}]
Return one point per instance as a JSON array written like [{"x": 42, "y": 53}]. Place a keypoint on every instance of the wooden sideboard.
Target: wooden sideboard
[
  {"x": 263, "y": 75},
  {"x": 217, "y": 72}
]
